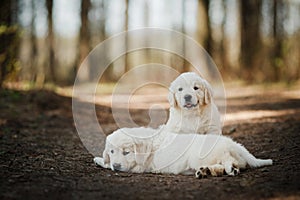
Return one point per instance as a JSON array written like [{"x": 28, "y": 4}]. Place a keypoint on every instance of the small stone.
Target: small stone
[
  {"x": 11, "y": 180},
  {"x": 264, "y": 170}
]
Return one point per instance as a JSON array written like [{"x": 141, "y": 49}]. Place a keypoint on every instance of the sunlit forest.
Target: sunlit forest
[
  {"x": 45, "y": 41},
  {"x": 75, "y": 71}
]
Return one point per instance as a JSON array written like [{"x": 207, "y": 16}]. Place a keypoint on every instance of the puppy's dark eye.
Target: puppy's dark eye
[
  {"x": 125, "y": 153},
  {"x": 196, "y": 88},
  {"x": 179, "y": 89},
  {"x": 112, "y": 151}
]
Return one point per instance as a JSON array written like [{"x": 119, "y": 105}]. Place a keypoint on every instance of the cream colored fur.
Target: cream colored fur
[
  {"x": 141, "y": 150},
  {"x": 200, "y": 114}
]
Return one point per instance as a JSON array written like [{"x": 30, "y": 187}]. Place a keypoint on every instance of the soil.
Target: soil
[{"x": 42, "y": 156}]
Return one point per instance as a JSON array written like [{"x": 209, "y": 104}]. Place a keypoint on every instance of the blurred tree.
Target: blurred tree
[
  {"x": 223, "y": 54},
  {"x": 208, "y": 38},
  {"x": 259, "y": 38},
  {"x": 9, "y": 38},
  {"x": 84, "y": 37},
  {"x": 250, "y": 36},
  {"x": 96, "y": 24},
  {"x": 102, "y": 21},
  {"x": 185, "y": 64},
  {"x": 278, "y": 34},
  {"x": 50, "y": 39},
  {"x": 33, "y": 45},
  {"x": 127, "y": 64},
  {"x": 203, "y": 25},
  {"x": 84, "y": 41},
  {"x": 204, "y": 31}
]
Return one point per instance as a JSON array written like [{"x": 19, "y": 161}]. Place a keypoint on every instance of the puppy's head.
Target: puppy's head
[
  {"x": 126, "y": 152},
  {"x": 189, "y": 91}
]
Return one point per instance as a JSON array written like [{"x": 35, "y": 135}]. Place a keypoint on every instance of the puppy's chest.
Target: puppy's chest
[{"x": 191, "y": 125}]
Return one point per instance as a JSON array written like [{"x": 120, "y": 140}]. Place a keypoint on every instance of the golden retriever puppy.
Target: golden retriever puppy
[
  {"x": 129, "y": 149},
  {"x": 141, "y": 150},
  {"x": 192, "y": 107}
]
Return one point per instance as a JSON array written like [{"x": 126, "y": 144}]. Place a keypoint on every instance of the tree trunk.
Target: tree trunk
[
  {"x": 5, "y": 19},
  {"x": 250, "y": 36},
  {"x": 84, "y": 43},
  {"x": 203, "y": 25},
  {"x": 126, "y": 61},
  {"x": 9, "y": 40},
  {"x": 223, "y": 44},
  {"x": 51, "y": 41},
  {"x": 33, "y": 54},
  {"x": 185, "y": 64},
  {"x": 208, "y": 38},
  {"x": 277, "y": 54},
  {"x": 204, "y": 32}
]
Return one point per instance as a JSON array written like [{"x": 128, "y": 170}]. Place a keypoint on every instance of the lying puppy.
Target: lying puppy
[
  {"x": 160, "y": 151},
  {"x": 192, "y": 108},
  {"x": 130, "y": 149}
]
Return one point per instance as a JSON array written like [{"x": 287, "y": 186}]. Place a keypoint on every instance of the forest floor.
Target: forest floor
[{"x": 42, "y": 156}]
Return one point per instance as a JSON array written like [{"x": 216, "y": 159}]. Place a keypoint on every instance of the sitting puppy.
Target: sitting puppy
[
  {"x": 192, "y": 108},
  {"x": 141, "y": 150}
]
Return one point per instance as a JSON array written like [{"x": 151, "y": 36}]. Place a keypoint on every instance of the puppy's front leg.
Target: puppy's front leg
[{"x": 100, "y": 162}]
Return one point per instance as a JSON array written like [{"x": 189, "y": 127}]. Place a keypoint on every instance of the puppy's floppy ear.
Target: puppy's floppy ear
[
  {"x": 142, "y": 152},
  {"x": 106, "y": 156},
  {"x": 208, "y": 93},
  {"x": 172, "y": 98}
]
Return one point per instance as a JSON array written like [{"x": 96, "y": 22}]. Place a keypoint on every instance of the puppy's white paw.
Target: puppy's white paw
[
  {"x": 234, "y": 171},
  {"x": 203, "y": 172},
  {"x": 99, "y": 161}
]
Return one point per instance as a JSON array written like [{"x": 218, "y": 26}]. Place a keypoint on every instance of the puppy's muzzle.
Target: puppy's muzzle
[
  {"x": 187, "y": 97},
  {"x": 188, "y": 101},
  {"x": 117, "y": 166}
]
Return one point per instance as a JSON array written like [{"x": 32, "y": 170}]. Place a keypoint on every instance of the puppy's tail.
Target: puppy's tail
[{"x": 250, "y": 159}]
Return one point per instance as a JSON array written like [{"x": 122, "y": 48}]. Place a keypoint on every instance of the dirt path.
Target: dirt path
[{"x": 42, "y": 157}]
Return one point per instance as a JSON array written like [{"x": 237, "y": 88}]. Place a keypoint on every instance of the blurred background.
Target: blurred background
[{"x": 45, "y": 41}]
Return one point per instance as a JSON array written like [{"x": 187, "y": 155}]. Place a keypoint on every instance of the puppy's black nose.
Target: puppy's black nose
[
  {"x": 117, "y": 166},
  {"x": 187, "y": 97}
]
